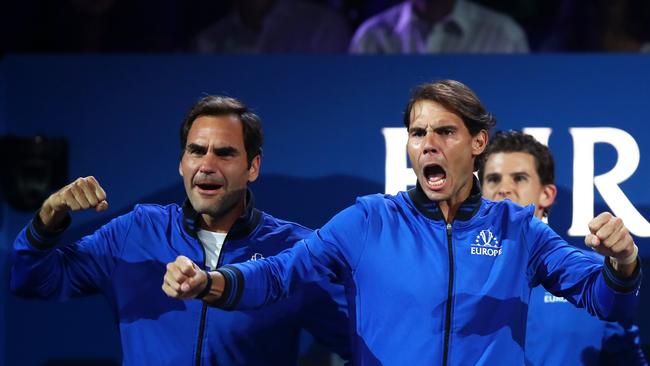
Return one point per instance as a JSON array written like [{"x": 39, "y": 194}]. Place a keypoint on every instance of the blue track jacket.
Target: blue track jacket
[
  {"x": 125, "y": 261},
  {"x": 424, "y": 292},
  {"x": 558, "y": 333}
]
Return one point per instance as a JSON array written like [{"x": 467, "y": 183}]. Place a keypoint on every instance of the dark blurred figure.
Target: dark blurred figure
[
  {"x": 439, "y": 26},
  {"x": 93, "y": 26},
  {"x": 601, "y": 26},
  {"x": 276, "y": 26},
  {"x": 536, "y": 17}
]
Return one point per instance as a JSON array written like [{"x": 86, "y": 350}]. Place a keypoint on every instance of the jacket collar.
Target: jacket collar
[
  {"x": 432, "y": 210},
  {"x": 243, "y": 226}
]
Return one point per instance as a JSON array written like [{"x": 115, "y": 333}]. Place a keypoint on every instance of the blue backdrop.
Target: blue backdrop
[{"x": 323, "y": 119}]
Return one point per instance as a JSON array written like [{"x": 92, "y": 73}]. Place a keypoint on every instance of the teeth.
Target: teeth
[{"x": 436, "y": 182}]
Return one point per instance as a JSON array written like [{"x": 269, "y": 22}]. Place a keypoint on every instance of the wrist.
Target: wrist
[
  {"x": 51, "y": 218},
  {"x": 216, "y": 288},
  {"x": 207, "y": 288},
  {"x": 625, "y": 267},
  {"x": 627, "y": 260}
]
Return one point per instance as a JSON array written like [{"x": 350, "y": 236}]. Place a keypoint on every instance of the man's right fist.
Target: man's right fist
[
  {"x": 184, "y": 279},
  {"x": 81, "y": 194}
]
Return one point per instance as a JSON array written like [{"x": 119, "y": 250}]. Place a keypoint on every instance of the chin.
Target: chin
[{"x": 435, "y": 195}]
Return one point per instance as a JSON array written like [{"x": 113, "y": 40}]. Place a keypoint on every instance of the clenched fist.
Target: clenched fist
[
  {"x": 611, "y": 238},
  {"x": 184, "y": 279},
  {"x": 81, "y": 194}
]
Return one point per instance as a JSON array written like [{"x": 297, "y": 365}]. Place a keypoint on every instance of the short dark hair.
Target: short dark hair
[
  {"x": 516, "y": 141},
  {"x": 217, "y": 105},
  {"x": 457, "y": 98}
]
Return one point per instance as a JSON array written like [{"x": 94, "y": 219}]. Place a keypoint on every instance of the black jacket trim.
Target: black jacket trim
[
  {"x": 619, "y": 283},
  {"x": 232, "y": 289},
  {"x": 431, "y": 209},
  {"x": 42, "y": 238},
  {"x": 243, "y": 226}
]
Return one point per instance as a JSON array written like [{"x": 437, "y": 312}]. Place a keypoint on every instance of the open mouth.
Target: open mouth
[
  {"x": 435, "y": 176},
  {"x": 208, "y": 187}
]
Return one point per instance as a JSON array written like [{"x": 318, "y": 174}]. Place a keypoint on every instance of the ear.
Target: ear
[
  {"x": 254, "y": 170},
  {"x": 547, "y": 196},
  {"x": 180, "y": 165},
  {"x": 479, "y": 142}
]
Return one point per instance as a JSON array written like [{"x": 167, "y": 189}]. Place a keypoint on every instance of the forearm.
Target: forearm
[
  {"x": 229, "y": 284},
  {"x": 253, "y": 284},
  {"x": 43, "y": 268},
  {"x": 51, "y": 219},
  {"x": 216, "y": 287},
  {"x": 625, "y": 267},
  {"x": 34, "y": 266},
  {"x": 617, "y": 297}
]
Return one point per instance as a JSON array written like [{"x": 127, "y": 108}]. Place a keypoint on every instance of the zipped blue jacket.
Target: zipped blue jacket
[
  {"x": 425, "y": 292},
  {"x": 558, "y": 333},
  {"x": 125, "y": 261}
]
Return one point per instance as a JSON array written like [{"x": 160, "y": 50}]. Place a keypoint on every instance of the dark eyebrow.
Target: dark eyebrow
[
  {"x": 195, "y": 147},
  {"x": 493, "y": 175},
  {"x": 446, "y": 127},
  {"x": 520, "y": 173},
  {"x": 226, "y": 151}
]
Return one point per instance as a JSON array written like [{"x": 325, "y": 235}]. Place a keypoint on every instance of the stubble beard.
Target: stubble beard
[{"x": 224, "y": 205}]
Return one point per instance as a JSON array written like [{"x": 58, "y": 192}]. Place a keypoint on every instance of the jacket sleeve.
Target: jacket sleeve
[
  {"x": 324, "y": 314},
  {"x": 42, "y": 267},
  {"x": 622, "y": 345},
  {"x": 583, "y": 280},
  {"x": 331, "y": 252}
]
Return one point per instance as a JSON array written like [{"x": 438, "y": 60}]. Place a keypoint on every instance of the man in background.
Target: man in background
[
  {"x": 439, "y": 26},
  {"x": 437, "y": 274},
  {"x": 519, "y": 168}
]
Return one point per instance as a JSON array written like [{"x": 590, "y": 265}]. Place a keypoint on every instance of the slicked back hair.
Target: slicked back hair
[
  {"x": 458, "y": 99},
  {"x": 216, "y": 105}
]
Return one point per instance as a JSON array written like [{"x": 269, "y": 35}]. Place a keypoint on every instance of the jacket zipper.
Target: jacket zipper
[
  {"x": 204, "y": 306},
  {"x": 199, "y": 345},
  {"x": 450, "y": 251}
]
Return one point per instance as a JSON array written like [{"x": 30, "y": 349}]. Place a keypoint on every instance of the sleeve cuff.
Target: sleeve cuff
[
  {"x": 622, "y": 284},
  {"x": 42, "y": 238},
  {"x": 232, "y": 289}
]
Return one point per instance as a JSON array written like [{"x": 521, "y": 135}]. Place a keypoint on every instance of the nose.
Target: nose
[
  {"x": 430, "y": 141},
  {"x": 208, "y": 164},
  {"x": 504, "y": 190}
]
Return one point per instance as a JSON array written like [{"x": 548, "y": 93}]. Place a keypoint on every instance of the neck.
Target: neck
[
  {"x": 449, "y": 207},
  {"x": 223, "y": 222}
]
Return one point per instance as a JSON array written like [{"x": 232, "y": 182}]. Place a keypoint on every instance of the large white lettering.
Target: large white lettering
[
  {"x": 540, "y": 134},
  {"x": 584, "y": 180},
  {"x": 398, "y": 175}
]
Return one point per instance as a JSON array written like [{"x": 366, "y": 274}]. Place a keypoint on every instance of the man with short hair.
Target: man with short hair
[
  {"x": 221, "y": 146},
  {"x": 435, "y": 275},
  {"x": 520, "y": 168},
  {"x": 439, "y": 26}
]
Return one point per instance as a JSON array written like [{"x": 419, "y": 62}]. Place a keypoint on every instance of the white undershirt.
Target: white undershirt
[{"x": 212, "y": 243}]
